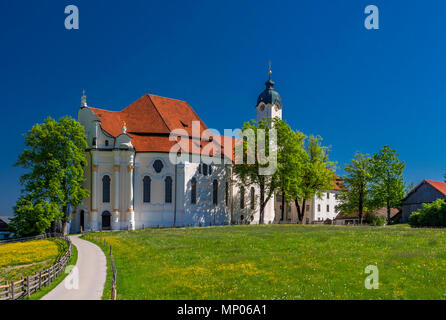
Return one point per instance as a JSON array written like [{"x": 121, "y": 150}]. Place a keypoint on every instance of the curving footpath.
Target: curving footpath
[{"x": 86, "y": 281}]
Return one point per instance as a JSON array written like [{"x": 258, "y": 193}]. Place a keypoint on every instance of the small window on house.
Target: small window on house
[
  {"x": 106, "y": 189},
  {"x": 168, "y": 191},
  {"x": 242, "y": 198},
  {"x": 205, "y": 169},
  {"x": 328, "y": 208},
  {"x": 328, "y": 195},
  {"x": 307, "y": 207},
  {"x": 193, "y": 196},
  {"x": 253, "y": 198},
  {"x": 158, "y": 166},
  {"x": 147, "y": 185},
  {"x": 106, "y": 143},
  {"x": 94, "y": 142},
  {"x": 318, "y": 208},
  {"x": 215, "y": 192},
  {"x": 210, "y": 169},
  {"x": 199, "y": 168}
]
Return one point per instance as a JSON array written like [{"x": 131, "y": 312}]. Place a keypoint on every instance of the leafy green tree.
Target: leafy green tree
[
  {"x": 32, "y": 218},
  {"x": 264, "y": 163},
  {"x": 387, "y": 187},
  {"x": 315, "y": 175},
  {"x": 54, "y": 158},
  {"x": 291, "y": 158},
  {"x": 355, "y": 195}
]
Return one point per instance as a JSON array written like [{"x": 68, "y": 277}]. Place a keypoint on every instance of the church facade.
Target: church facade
[
  {"x": 135, "y": 182},
  {"x": 137, "y": 178}
]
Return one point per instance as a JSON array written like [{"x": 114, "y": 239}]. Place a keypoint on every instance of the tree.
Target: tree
[
  {"x": 54, "y": 157},
  {"x": 355, "y": 195},
  {"x": 387, "y": 187},
  {"x": 291, "y": 158},
  {"x": 259, "y": 165},
  {"x": 32, "y": 218},
  {"x": 315, "y": 175}
]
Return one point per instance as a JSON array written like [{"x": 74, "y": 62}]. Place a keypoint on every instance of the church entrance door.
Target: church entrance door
[{"x": 106, "y": 218}]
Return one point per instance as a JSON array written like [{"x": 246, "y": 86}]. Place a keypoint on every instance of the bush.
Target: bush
[
  {"x": 431, "y": 215},
  {"x": 374, "y": 220}
]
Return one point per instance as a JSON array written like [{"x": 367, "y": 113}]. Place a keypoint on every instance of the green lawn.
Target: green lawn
[{"x": 279, "y": 262}]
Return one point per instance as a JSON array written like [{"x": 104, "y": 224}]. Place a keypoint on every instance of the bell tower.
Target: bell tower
[{"x": 269, "y": 102}]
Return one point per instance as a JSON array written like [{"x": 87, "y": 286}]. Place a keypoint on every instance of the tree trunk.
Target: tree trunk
[
  {"x": 283, "y": 206},
  {"x": 361, "y": 200},
  {"x": 64, "y": 220},
  {"x": 262, "y": 202},
  {"x": 300, "y": 211}
]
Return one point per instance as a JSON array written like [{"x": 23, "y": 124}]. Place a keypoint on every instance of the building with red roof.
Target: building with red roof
[
  {"x": 156, "y": 163},
  {"x": 427, "y": 191}
]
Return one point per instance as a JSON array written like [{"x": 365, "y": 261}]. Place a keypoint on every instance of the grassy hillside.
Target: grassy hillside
[
  {"x": 279, "y": 262},
  {"x": 21, "y": 259}
]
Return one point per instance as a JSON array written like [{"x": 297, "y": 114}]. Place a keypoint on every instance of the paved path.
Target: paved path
[{"x": 91, "y": 267}]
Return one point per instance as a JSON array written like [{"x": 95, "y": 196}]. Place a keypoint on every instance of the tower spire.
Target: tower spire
[
  {"x": 83, "y": 100},
  {"x": 270, "y": 72}
]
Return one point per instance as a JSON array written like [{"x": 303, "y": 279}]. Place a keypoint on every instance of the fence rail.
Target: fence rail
[
  {"x": 40, "y": 237},
  {"x": 97, "y": 238},
  {"x": 15, "y": 290}
]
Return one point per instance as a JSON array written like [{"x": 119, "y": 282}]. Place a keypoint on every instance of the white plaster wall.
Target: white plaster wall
[{"x": 323, "y": 201}]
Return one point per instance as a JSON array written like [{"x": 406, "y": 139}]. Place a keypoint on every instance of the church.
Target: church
[{"x": 135, "y": 180}]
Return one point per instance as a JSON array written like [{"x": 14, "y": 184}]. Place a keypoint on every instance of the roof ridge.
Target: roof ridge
[{"x": 159, "y": 113}]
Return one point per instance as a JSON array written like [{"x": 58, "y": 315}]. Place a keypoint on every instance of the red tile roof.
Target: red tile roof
[
  {"x": 440, "y": 186},
  {"x": 151, "y": 119}
]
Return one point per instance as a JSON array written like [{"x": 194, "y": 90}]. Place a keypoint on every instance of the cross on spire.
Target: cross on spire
[{"x": 270, "y": 72}]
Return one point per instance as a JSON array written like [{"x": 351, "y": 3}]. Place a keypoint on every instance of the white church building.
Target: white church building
[{"x": 136, "y": 181}]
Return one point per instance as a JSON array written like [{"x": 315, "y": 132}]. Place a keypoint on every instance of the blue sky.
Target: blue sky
[{"x": 359, "y": 89}]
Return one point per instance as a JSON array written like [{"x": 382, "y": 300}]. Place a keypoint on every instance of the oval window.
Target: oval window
[{"x": 158, "y": 166}]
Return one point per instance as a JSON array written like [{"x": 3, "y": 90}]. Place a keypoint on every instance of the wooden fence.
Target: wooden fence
[
  {"x": 40, "y": 237},
  {"x": 97, "y": 238},
  {"x": 20, "y": 289}
]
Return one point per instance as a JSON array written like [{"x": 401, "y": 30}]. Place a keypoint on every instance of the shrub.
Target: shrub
[
  {"x": 374, "y": 220},
  {"x": 431, "y": 215}
]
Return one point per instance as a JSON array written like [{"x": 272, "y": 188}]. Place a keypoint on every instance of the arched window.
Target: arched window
[
  {"x": 193, "y": 194},
  {"x": 215, "y": 192},
  {"x": 168, "y": 192},
  {"x": 242, "y": 198},
  {"x": 205, "y": 169},
  {"x": 253, "y": 198},
  {"x": 147, "y": 186},
  {"x": 106, "y": 189}
]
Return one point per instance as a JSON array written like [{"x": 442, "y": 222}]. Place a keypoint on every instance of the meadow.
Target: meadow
[
  {"x": 279, "y": 262},
  {"x": 21, "y": 259}
]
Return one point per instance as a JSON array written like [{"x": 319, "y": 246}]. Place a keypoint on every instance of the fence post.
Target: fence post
[
  {"x": 12, "y": 290},
  {"x": 28, "y": 290},
  {"x": 7, "y": 292},
  {"x": 40, "y": 280}
]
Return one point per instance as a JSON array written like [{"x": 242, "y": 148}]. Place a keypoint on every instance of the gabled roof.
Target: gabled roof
[
  {"x": 151, "y": 119},
  {"x": 440, "y": 186}
]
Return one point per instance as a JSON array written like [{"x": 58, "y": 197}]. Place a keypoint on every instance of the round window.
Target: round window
[{"x": 158, "y": 166}]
